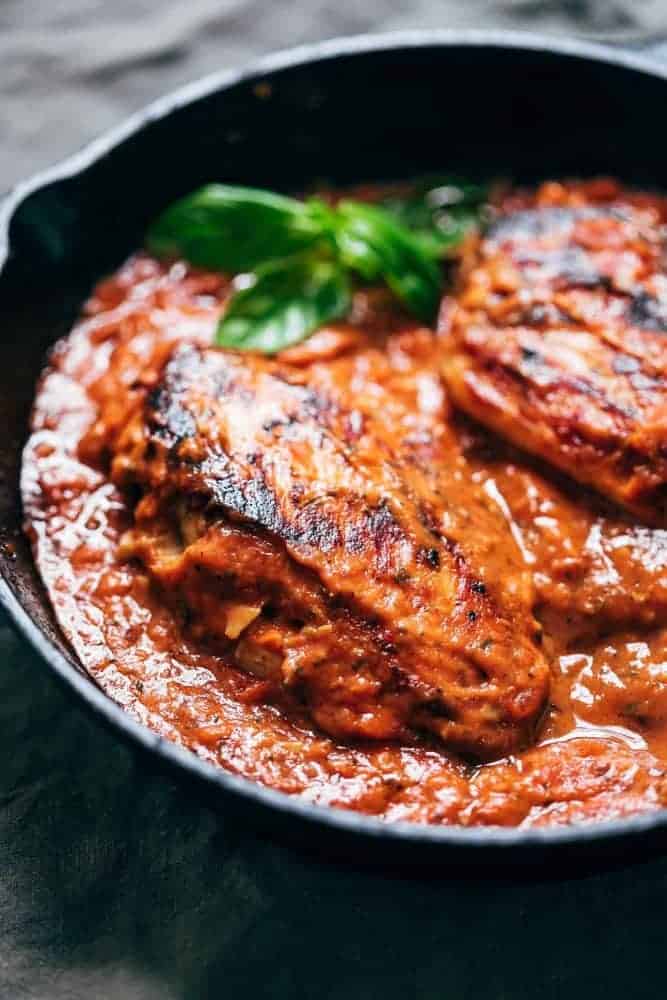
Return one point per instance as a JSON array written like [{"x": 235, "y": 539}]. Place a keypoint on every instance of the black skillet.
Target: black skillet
[{"x": 490, "y": 103}]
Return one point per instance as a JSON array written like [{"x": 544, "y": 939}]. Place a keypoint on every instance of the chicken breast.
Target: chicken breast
[
  {"x": 329, "y": 560},
  {"x": 557, "y": 337}
]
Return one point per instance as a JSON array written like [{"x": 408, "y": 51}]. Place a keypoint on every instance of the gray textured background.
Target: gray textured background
[
  {"x": 71, "y": 68},
  {"x": 113, "y": 886}
]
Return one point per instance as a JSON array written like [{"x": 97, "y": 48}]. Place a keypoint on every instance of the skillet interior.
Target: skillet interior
[{"x": 341, "y": 112}]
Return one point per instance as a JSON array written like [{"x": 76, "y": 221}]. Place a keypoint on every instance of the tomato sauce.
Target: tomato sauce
[{"x": 599, "y": 579}]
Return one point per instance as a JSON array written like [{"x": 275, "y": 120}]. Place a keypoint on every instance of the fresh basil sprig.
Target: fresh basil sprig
[{"x": 297, "y": 258}]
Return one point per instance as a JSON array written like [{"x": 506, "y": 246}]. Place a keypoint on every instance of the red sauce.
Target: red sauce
[{"x": 600, "y": 581}]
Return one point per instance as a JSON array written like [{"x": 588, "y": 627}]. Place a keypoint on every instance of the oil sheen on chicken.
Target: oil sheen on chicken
[
  {"x": 293, "y": 530},
  {"x": 557, "y": 338}
]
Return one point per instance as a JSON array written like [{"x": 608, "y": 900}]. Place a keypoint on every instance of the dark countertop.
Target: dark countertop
[{"x": 114, "y": 884}]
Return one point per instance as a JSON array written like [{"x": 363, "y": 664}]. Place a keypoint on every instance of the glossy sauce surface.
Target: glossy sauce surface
[{"x": 596, "y": 579}]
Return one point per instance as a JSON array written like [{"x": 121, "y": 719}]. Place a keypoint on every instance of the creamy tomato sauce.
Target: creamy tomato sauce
[{"x": 598, "y": 580}]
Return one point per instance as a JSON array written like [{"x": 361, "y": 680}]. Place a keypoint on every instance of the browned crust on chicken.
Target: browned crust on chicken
[
  {"x": 558, "y": 337},
  {"x": 354, "y": 594}
]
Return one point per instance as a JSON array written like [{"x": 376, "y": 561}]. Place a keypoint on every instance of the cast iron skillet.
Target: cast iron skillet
[{"x": 354, "y": 109}]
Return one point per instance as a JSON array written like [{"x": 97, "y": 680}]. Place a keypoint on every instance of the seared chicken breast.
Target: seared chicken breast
[
  {"x": 557, "y": 337},
  {"x": 293, "y": 531}
]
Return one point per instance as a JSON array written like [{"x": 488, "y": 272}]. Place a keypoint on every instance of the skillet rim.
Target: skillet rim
[{"x": 185, "y": 762}]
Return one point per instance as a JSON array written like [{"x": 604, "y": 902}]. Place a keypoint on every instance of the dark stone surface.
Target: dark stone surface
[{"x": 113, "y": 883}]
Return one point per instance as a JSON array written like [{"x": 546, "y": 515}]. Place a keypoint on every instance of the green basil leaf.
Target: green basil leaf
[
  {"x": 356, "y": 250},
  {"x": 287, "y": 301},
  {"x": 376, "y": 245},
  {"x": 440, "y": 211},
  {"x": 233, "y": 228},
  {"x": 300, "y": 252}
]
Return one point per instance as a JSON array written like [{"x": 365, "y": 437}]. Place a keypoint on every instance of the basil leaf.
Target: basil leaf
[
  {"x": 233, "y": 228},
  {"x": 300, "y": 253},
  {"x": 440, "y": 211},
  {"x": 356, "y": 250},
  {"x": 286, "y": 302},
  {"x": 373, "y": 243}
]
